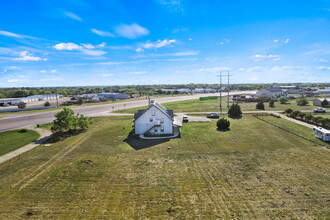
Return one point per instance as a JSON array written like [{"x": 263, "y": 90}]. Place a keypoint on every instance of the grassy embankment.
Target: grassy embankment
[
  {"x": 195, "y": 105},
  {"x": 255, "y": 170},
  {"x": 12, "y": 140}
]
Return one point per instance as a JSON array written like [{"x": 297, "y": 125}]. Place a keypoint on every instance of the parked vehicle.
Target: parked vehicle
[
  {"x": 185, "y": 119},
  {"x": 213, "y": 115},
  {"x": 319, "y": 110},
  {"x": 322, "y": 133}
]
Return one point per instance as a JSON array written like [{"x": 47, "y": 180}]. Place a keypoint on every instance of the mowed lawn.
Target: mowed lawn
[
  {"x": 195, "y": 105},
  {"x": 12, "y": 140},
  {"x": 255, "y": 170}
]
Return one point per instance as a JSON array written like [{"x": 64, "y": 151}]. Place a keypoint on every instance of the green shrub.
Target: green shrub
[
  {"x": 295, "y": 113},
  {"x": 271, "y": 103},
  {"x": 47, "y": 104},
  {"x": 288, "y": 111},
  {"x": 223, "y": 124},
  {"x": 235, "y": 110},
  {"x": 324, "y": 103},
  {"x": 260, "y": 105},
  {"x": 22, "y": 105},
  {"x": 302, "y": 101},
  {"x": 283, "y": 100},
  {"x": 309, "y": 117}
]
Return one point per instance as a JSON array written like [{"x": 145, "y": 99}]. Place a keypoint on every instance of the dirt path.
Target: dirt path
[{"x": 44, "y": 135}]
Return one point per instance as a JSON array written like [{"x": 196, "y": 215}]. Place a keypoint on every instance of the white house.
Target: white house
[
  {"x": 155, "y": 120},
  {"x": 317, "y": 102},
  {"x": 272, "y": 92}
]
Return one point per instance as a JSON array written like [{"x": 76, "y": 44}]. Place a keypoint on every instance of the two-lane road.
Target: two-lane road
[{"x": 23, "y": 120}]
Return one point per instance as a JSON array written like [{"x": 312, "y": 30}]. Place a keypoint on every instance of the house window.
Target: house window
[
  {"x": 162, "y": 120},
  {"x": 151, "y": 119},
  {"x": 162, "y": 129},
  {"x": 153, "y": 112},
  {"x": 155, "y": 129}
]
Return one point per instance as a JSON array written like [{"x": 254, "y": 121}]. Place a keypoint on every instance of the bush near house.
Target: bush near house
[
  {"x": 47, "y": 104},
  {"x": 223, "y": 124},
  {"x": 22, "y": 105},
  {"x": 283, "y": 100},
  {"x": 324, "y": 103},
  {"x": 272, "y": 103},
  {"x": 260, "y": 105},
  {"x": 67, "y": 121},
  {"x": 235, "y": 110},
  {"x": 288, "y": 111},
  {"x": 302, "y": 101}
]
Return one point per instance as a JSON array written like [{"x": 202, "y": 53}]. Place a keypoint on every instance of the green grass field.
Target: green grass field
[
  {"x": 255, "y": 170},
  {"x": 213, "y": 106},
  {"x": 12, "y": 140}
]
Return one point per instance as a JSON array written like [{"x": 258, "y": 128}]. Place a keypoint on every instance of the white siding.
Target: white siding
[{"x": 143, "y": 124}]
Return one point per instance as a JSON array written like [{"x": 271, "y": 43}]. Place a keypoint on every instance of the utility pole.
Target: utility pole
[
  {"x": 220, "y": 85},
  {"x": 228, "y": 89},
  {"x": 56, "y": 97}
]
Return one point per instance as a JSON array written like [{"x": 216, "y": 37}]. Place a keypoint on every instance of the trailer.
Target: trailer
[{"x": 322, "y": 133}]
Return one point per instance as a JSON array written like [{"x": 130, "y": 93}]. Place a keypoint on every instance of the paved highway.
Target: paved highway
[{"x": 22, "y": 120}]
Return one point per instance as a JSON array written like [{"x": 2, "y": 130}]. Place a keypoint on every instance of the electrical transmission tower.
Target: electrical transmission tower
[{"x": 220, "y": 89}]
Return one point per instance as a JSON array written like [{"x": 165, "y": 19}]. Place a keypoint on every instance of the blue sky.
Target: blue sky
[{"x": 122, "y": 42}]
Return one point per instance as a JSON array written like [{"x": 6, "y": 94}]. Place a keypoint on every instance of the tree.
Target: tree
[
  {"x": 22, "y": 105},
  {"x": 302, "y": 101},
  {"x": 283, "y": 100},
  {"x": 80, "y": 101},
  {"x": 317, "y": 120},
  {"x": 288, "y": 111},
  {"x": 271, "y": 103},
  {"x": 65, "y": 121},
  {"x": 260, "y": 105},
  {"x": 295, "y": 113},
  {"x": 309, "y": 117},
  {"x": 302, "y": 115},
  {"x": 324, "y": 103},
  {"x": 83, "y": 122},
  {"x": 223, "y": 124},
  {"x": 47, "y": 104},
  {"x": 234, "y": 110}
]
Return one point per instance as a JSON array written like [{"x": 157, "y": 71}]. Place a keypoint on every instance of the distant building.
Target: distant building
[
  {"x": 154, "y": 120},
  {"x": 272, "y": 92},
  {"x": 295, "y": 91},
  {"x": 317, "y": 102},
  {"x": 113, "y": 96},
  {"x": 33, "y": 98},
  {"x": 324, "y": 91}
]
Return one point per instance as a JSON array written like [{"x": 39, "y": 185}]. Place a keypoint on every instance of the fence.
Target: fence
[{"x": 287, "y": 130}]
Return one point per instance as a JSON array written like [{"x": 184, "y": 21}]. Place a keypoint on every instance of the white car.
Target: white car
[{"x": 319, "y": 110}]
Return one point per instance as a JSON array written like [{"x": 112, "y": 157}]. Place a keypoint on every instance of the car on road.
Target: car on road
[
  {"x": 185, "y": 119},
  {"x": 319, "y": 110},
  {"x": 213, "y": 115}
]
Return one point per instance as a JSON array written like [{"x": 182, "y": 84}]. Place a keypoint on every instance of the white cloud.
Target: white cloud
[
  {"x": 323, "y": 61},
  {"x": 190, "y": 39},
  {"x": 10, "y": 34},
  {"x": 102, "y": 33},
  {"x": 224, "y": 41},
  {"x": 323, "y": 68},
  {"x": 73, "y": 16},
  {"x": 241, "y": 69},
  {"x": 275, "y": 41},
  {"x": 158, "y": 44},
  {"x": 4, "y": 71},
  {"x": 138, "y": 72},
  {"x": 283, "y": 68},
  {"x": 287, "y": 40},
  {"x": 67, "y": 46},
  {"x": 131, "y": 31},
  {"x": 177, "y": 54},
  {"x": 259, "y": 57},
  {"x": 53, "y": 71},
  {"x": 43, "y": 71},
  {"x": 101, "y": 45},
  {"x": 88, "y": 46},
  {"x": 73, "y": 46},
  {"x": 93, "y": 52},
  {"x": 214, "y": 69},
  {"x": 27, "y": 56},
  {"x": 254, "y": 69},
  {"x": 106, "y": 74},
  {"x": 139, "y": 50}
]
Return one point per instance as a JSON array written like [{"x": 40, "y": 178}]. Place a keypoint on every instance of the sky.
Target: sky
[{"x": 127, "y": 42}]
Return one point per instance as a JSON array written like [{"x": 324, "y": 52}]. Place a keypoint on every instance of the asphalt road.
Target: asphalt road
[{"x": 16, "y": 121}]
